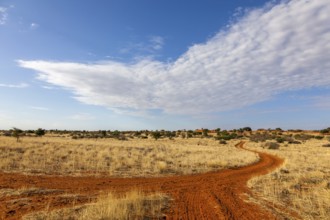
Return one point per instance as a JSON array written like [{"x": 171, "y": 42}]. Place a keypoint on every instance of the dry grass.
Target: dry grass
[
  {"x": 303, "y": 183},
  {"x": 25, "y": 191},
  {"x": 131, "y": 205},
  {"x": 136, "y": 157}
]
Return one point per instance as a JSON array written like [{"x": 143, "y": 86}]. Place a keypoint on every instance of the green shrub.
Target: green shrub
[
  {"x": 271, "y": 145},
  {"x": 156, "y": 135},
  {"x": 280, "y": 139},
  {"x": 319, "y": 137},
  {"x": 262, "y": 137},
  {"x": 303, "y": 137},
  {"x": 40, "y": 132}
]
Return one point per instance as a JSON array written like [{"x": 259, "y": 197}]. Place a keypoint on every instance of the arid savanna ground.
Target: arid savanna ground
[{"x": 81, "y": 175}]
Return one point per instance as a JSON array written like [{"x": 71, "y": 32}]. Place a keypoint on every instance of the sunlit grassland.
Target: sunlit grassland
[
  {"x": 302, "y": 184},
  {"x": 112, "y": 157}
]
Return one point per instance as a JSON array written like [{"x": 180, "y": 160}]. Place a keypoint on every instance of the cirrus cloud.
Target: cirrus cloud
[
  {"x": 3, "y": 15},
  {"x": 18, "y": 86},
  {"x": 268, "y": 51}
]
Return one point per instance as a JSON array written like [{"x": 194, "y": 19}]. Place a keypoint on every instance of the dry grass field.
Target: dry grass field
[
  {"x": 111, "y": 157},
  {"x": 302, "y": 184},
  {"x": 130, "y": 205},
  {"x": 132, "y": 158}
]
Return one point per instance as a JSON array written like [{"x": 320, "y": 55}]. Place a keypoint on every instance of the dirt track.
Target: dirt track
[{"x": 216, "y": 195}]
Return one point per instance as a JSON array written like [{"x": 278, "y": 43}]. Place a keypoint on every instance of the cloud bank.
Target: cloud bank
[{"x": 266, "y": 52}]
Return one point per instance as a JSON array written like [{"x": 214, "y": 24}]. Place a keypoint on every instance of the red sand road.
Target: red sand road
[{"x": 215, "y": 195}]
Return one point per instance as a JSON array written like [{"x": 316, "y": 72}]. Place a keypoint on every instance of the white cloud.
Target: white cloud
[
  {"x": 3, "y": 15},
  {"x": 48, "y": 87},
  {"x": 34, "y": 26},
  {"x": 39, "y": 108},
  {"x": 266, "y": 52},
  {"x": 153, "y": 45},
  {"x": 19, "y": 86},
  {"x": 156, "y": 42},
  {"x": 82, "y": 117}
]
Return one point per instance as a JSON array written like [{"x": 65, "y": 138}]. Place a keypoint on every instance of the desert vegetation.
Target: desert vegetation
[
  {"x": 130, "y": 205},
  {"x": 136, "y": 157},
  {"x": 303, "y": 182}
]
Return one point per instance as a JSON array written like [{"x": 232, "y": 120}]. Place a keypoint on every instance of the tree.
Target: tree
[
  {"x": 16, "y": 132},
  {"x": 247, "y": 129},
  {"x": 218, "y": 131},
  {"x": 40, "y": 132},
  {"x": 205, "y": 132},
  {"x": 104, "y": 133},
  {"x": 169, "y": 134},
  {"x": 156, "y": 135},
  {"x": 116, "y": 134}
]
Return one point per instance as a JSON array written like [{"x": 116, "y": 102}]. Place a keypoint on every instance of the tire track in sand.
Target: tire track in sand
[{"x": 214, "y": 195}]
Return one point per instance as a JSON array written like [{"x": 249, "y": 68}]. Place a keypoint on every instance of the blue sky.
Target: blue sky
[{"x": 127, "y": 65}]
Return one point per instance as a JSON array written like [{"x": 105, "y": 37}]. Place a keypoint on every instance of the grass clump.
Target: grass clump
[{"x": 131, "y": 205}]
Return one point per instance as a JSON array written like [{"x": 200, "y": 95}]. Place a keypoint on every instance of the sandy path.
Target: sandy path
[{"x": 215, "y": 195}]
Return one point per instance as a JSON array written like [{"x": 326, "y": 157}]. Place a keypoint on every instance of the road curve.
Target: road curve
[{"x": 214, "y": 195}]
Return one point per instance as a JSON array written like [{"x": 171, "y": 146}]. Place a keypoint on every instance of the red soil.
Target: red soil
[{"x": 215, "y": 195}]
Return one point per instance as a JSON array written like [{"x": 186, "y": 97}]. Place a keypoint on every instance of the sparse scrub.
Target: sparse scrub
[
  {"x": 325, "y": 131},
  {"x": 319, "y": 137},
  {"x": 301, "y": 183},
  {"x": 261, "y": 137},
  {"x": 156, "y": 135},
  {"x": 225, "y": 135},
  {"x": 280, "y": 139},
  {"x": 303, "y": 137},
  {"x": 271, "y": 145},
  {"x": 135, "y": 157}
]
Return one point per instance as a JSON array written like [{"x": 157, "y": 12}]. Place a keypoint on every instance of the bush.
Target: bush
[
  {"x": 280, "y": 140},
  {"x": 40, "y": 132},
  {"x": 325, "y": 131},
  {"x": 271, "y": 145},
  {"x": 156, "y": 135},
  {"x": 319, "y": 137},
  {"x": 294, "y": 142},
  {"x": 326, "y": 145},
  {"x": 122, "y": 137},
  {"x": 303, "y": 137},
  {"x": 222, "y": 142},
  {"x": 262, "y": 137}
]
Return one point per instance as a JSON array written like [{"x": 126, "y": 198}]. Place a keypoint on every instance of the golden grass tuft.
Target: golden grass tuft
[{"x": 131, "y": 205}]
